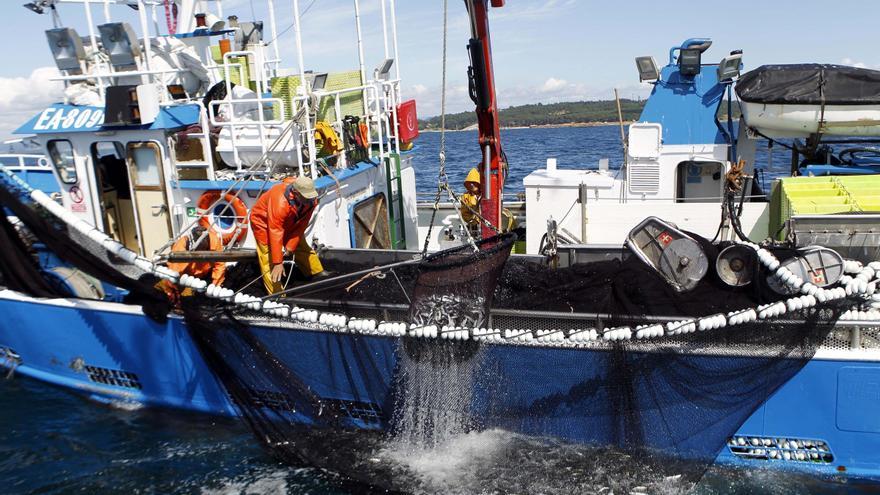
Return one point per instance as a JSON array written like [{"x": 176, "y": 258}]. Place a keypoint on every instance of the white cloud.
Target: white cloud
[
  {"x": 22, "y": 97},
  {"x": 553, "y": 85},
  {"x": 862, "y": 65}
]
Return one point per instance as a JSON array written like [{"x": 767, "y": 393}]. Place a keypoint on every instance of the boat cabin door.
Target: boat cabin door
[
  {"x": 117, "y": 207},
  {"x": 148, "y": 190}
]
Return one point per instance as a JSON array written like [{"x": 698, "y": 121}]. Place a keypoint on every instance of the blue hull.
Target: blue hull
[{"x": 111, "y": 352}]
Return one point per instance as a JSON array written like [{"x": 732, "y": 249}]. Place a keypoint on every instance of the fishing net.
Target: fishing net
[
  {"x": 79, "y": 251},
  {"x": 455, "y": 287},
  {"x": 369, "y": 406},
  {"x": 656, "y": 410}
]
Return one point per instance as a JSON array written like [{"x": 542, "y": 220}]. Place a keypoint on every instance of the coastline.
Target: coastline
[{"x": 538, "y": 126}]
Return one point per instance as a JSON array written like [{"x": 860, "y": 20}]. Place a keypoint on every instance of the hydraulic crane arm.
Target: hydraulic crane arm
[{"x": 481, "y": 85}]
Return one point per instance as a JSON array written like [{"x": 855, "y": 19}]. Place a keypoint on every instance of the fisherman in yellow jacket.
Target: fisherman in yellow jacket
[
  {"x": 470, "y": 200},
  {"x": 470, "y": 206}
]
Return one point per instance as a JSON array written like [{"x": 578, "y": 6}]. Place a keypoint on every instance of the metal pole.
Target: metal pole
[
  {"x": 384, "y": 28},
  {"x": 274, "y": 35},
  {"x": 394, "y": 38},
  {"x": 357, "y": 20},
  {"x": 88, "y": 8},
  {"x": 155, "y": 19},
  {"x": 145, "y": 29},
  {"x": 487, "y": 174},
  {"x": 220, "y": 9},
  {"x": 620, "y": 119},
  {"x": 625, "y": 146},
  {"x": 106, "y": 10},
  {"x": 310, "y": 136},
  {"x": 94, "y": 40},
  {"x": 342, "y": 277},
  {"x": 582, "y": 198}
]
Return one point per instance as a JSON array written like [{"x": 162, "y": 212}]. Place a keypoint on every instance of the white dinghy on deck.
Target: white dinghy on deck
[{"x": 805, "y": 99}]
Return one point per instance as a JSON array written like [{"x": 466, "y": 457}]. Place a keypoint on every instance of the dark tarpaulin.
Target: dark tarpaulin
[{"x": 810, "y": 84}]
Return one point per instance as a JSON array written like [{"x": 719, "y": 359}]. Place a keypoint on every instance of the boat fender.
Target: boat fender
[{"x": 207, "y": 205}]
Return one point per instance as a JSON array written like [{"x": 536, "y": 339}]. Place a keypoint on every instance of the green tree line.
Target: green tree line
[{"x": 577, "y": 112}]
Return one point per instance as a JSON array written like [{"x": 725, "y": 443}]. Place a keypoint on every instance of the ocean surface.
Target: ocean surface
[
  {"x": 528, "y": 149},
  {"x": 53, "y": 441}
]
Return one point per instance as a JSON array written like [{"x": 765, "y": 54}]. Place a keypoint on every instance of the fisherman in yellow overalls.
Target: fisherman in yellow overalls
[{"x": 470, "y": 202}]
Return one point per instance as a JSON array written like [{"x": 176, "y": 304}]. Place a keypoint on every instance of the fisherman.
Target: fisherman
[
  {"x": 279, "y": 220},
  {"x": 207, "y": 240},
  {"x": 470, "y": 206},
  {"x": 470, "y": 201}
]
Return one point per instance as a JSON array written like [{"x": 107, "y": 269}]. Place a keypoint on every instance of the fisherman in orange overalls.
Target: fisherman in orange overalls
[
  {"x": 279, "y": 220},
  {"x": 198, "y": 269}
]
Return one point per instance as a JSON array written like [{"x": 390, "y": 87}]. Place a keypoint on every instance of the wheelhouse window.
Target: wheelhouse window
[
  {"x": 61, "y": 153},
  {"x": 145, "y": 165}
]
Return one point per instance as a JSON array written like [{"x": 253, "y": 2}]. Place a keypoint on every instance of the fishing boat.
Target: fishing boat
[{"x": 673, "y": 334}]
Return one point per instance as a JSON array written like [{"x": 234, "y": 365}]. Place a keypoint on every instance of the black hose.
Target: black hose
[{"x": 734, "y": 218}]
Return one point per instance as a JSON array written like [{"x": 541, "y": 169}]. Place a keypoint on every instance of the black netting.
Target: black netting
[
  {"x": 379, "y": 409},
  {"x": 18, "y": 268},
  {"x": 83, "y": 254},
  {"x": 455, "y": 287}
]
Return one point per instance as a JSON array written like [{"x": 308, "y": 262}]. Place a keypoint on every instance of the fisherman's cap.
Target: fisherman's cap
[{"x": 305, "y": 186}]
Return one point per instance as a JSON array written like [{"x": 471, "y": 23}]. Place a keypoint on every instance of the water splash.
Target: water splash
[
  {"x": 498, "y": 461},
  {"x": 435, "y": 392}
]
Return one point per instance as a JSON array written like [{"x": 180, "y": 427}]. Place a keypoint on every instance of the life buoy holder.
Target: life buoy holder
[{"x": 229, "y": 225}]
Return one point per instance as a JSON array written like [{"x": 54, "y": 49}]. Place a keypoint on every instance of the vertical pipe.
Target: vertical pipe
[
  {"x": 487, "y": 173},
  {"x": 274, "y": 36},
  {"x": 94, "y": 39},
  {"x": 107, "y": 11},
  {"x": 733, "y": 138},
  {"x": 384, "y": 28},
  {"x": 582, "y": 198},
  {"x": 155, "y": 20},
  {"x": 219, "y": 9},
  {"x": 357, "y": 20},
  {"x": 310, "y": 136},
  {"x": 394, "y": 39},
  {"x": 623, "y": 142},
  {"x": 145, "y": 29}
]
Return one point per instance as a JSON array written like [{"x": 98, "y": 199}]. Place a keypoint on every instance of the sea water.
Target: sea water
[{"x": 54, "y": 441}]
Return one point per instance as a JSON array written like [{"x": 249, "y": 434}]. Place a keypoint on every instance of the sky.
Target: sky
[{"x": 543, "y": 50}]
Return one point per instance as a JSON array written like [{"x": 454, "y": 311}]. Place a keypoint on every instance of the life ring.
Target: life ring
[{"x": 230, "y": 227}]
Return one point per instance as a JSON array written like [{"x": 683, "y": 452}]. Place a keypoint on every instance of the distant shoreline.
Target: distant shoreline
[{"x": 538, "y": 126}]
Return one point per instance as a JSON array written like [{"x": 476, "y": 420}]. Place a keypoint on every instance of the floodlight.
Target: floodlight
[
  {"x": 36, "y": 7},
  {"x": 648, "y": 70},
  {"x": 383, "y": 69},
  {"x": 120, "y": 43},
  {"x": 729, "y": 67},
  {"x": 319, "y": 81},
  {"x": 66, "y": 47},
  {"x": 689, "y": 61}
]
